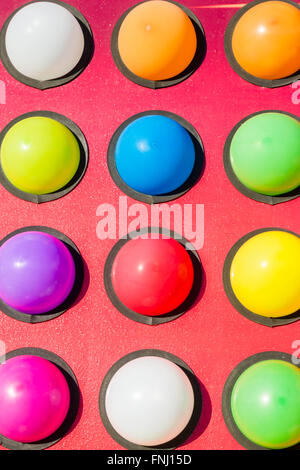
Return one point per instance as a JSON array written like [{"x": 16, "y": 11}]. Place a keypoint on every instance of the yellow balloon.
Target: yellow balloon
[{"x": 265, "y": 274}]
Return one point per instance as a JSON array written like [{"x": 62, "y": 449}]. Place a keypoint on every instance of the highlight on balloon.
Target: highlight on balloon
[
  {"x": 45, "y": 44},
  {"x": 158, "y": 43},
  {"x": 43, "y": 156},
  {"x": 155, "y": 156},
  {"x": 262, "y": 42},
  {"x": 150, "y": 399}
]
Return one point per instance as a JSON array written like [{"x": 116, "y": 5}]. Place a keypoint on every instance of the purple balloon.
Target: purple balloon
[{"x": 37, "y": 272}]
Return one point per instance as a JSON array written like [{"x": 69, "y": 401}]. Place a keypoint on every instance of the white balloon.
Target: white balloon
[
  {"x": 44, "y": 41},
  {"x": 149, "y": 401}
]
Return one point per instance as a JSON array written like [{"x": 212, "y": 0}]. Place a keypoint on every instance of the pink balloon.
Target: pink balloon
[{"x": 34, "y": 398}]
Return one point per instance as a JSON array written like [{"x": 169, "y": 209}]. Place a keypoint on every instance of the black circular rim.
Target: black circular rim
[
  {"x": 83, "y": 162},
  {"x": 70, "y": 419},
  {"x": 155, "y": 84},
  {"x": 227, "y": 392},
  {"x": 266, "y": 321},
  {"x": 78, "y": 283},
  {"x": 160, "y": 319},
  {"x": 271, "y": 200},
  {"x": 184, "y": 435},
  {"x": 194, "y": 177},
  {"x": 233, "y": 62},
  {"x": 73, "y": 74}
]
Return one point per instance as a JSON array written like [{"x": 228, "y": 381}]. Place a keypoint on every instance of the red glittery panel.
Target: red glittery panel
[{"x": 212, "y": 337}]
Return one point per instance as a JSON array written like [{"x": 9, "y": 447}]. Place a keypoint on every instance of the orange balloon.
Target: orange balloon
[
  {"x": 157, "y": 40},
  {"x": 266, "y": 40}
]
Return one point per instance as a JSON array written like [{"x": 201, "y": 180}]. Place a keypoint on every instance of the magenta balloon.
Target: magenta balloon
[
  {"x": 34, "y": 398},
  {"x": 37, "y": 272}
]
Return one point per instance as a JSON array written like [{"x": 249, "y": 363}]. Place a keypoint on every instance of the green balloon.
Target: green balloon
[
  {"x": 265, "y": 153},
  {"x": 265, "y": 404}
]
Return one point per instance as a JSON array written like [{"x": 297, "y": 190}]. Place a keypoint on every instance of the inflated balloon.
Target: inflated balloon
[
  {"x": 157, "y": 40},
  {"x": 265, "y": 404},
  {"x": 265, "y": 153},
  {"x": 34, "y": 396},
  {"x": 37, "y": 272},
  {"x": 266, "y": 40},
  {"x": 265, "y": 274},
  {"x": 44, "y": 41},
  {"x": 39, "y": 155},
  {"x": 149, "y": 401},
  {"x": 152, "y": 277},
  {"x": 155, "y": 155}
]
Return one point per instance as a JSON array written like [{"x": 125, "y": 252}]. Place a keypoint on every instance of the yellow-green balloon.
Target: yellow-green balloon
[{"x": 39, "y": 155}]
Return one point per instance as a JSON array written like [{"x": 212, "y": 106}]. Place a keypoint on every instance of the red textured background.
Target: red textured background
[{"x": 212, "y": 337}]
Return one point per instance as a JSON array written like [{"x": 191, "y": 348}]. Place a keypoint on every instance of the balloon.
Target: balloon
[
  {"x": 265, "y": 404},
  {"x": 265, "y": 274},
  {"x": 265, "y": 153},
  {"x": 34, "y": 396},
  {"x": 149, "y": 401},
  {"x": 152, "y": 277},
  {"x": 157, "y": 40},
  {"x": 44, "y": 41},
  {"x": 155, "y": 155},
  {"x": 266, "y": 40},
  {"x": 39, "y": 155},
  {"x": 37, "y": 272}
]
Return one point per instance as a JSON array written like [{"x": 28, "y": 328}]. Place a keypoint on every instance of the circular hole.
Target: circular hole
[
  {"x": 262, "y": 42},
  {"x": 41, "y": 397},
  {"x": 261, "y": 404},
  {"x": 150, "y": 399},
  {"x": 42, "y": 274},
  {"x": 157, "y": 40},
  {"x": 37, "y": 57},
  {"x": 262, "y": 156},
  {"x": 164, "y": 279},
  {"x": 43, "y": 156},
  {"x": 260, "y": 276},
  {"x": 158, "y": 43},
  {"x": 155, "y": 157}
]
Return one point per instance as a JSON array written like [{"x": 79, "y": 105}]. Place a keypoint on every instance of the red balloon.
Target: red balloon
[{"x": 152, "y": 277}]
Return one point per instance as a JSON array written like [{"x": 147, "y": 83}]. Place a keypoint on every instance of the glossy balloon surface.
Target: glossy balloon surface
[
  {"x": 37, "y": 272},
  {"x": 44, "y": 41},
  {"x": 149, "y": 401},
  {"x": 152, "y": 277},
  {"x": 39, "y": 155},
  {"x": 155, "y": 155},
  {"x": 266, "y": 40},
  {"x": 157, "y": 40},
  {"x": 266, "y": 404},
  {"x": 34, "y": 396},
  {"x": 265, "y": 274}
]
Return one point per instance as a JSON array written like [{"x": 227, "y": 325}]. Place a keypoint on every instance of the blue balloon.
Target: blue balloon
[{"x": 155, "y": 155}]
